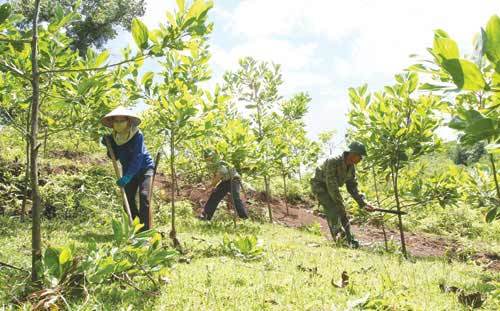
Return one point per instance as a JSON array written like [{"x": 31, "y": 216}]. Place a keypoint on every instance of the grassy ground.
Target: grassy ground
[{"x": 295, "y": 272}]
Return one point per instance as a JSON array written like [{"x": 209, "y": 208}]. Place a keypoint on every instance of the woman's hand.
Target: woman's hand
[{"x": 124, "y": 180}]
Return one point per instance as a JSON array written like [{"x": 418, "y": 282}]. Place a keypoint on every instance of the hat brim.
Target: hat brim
[{"x": 107, "y": 120}]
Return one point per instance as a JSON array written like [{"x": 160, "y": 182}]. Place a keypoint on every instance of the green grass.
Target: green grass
[{"x": 295, "y": 272}]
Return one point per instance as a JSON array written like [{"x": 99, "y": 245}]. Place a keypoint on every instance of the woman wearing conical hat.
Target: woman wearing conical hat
[{"x": 128, "y": 145}]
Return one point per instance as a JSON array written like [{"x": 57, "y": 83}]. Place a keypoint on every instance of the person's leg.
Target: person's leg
[
  {"x": 217, "y": 195},
  {"x": 237, "y": 202},
  {"x": 327, "y": 203},
  {"x": 330, "y": 212},
  {"x": 131, "y": 191},
  {"x": 346, "y": 226},
  {"x": 144, "y": 187}
]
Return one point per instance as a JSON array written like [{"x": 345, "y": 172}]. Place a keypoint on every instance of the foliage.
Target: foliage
[
  {"x": 477, "y": 79},
  {"x": 97, "y": 22},
  {"x": 468, "y": 155},
  {"x": 256, "y": 84},
  {"x": 313, "y": 228},
  {"x": 247, "y": 247},
  {"x": 395, "y": 127},
  {"x": 134, "y": 254}
]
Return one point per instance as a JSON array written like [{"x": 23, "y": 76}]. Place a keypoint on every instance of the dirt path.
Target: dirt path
[{"x": 418, "y": 244}]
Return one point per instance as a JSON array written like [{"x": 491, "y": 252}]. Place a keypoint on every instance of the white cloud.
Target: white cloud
[
  {"x": 156, "y": 11},
  {"x": 284, "y": 52},
  {"x": 356, "y": 42},
  {"x": 326, "y": 45},
  {"x": 383, "y": 33}
]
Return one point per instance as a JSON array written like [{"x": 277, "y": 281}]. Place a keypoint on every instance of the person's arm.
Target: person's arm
[
  {"x": 137, "y": 156},
  {"x": 215, "y": 180},
  {"x": 352, "y": 188},
  {"x": 331, "y": 183},
  {"x": 111, "y": 143}
]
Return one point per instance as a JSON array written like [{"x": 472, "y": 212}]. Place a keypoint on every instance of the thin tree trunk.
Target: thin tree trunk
[
  {"x": 36, "y": 210},
  {"x": 268, "y": 197},
  {"x": 286, "y": 194},
  {"x": 45, "y": 142},
  {"x": 492, "y": 160},
  {"x": 173, "y": 232},
  {"x": 394, "y": 173},
  {"x": 266, "y": 178},
  {"x": 26, "y": 168},
  {"x": 378, "y": 205}
]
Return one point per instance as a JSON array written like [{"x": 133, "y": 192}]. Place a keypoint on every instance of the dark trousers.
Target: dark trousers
[
  {"x": 223, "y": 188},
  {"x": 141, "y": 182}
]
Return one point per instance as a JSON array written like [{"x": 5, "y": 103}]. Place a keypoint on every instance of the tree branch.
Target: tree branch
[
  {"x": 14, "y": 41},
  {"x": 15, "y": 71},
  {"x": 3, "y": 264},
  {"x": 95, "y": 68}
]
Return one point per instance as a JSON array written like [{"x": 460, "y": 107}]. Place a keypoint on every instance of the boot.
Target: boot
[{"x": 351, "y": 240}]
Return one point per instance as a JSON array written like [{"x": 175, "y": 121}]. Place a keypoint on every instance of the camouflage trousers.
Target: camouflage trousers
[{"x": 335, "y": 213}]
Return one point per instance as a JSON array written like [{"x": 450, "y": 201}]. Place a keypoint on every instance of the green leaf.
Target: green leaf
[
  {"x": 117, "y": 230},
  {"x": 140, "y": 33},
  {"x": 446, "y": 48},
  {"x": 482, "y": 127},
  {"x": 493, "y": 148},
  {"x": 439, "y": 33},
  {"x": 147, "y": 79},
  {"x": 181, "y": 5},
  {"x": 492, "y": 214},
  {"x": 431, "y": 87},
  {"x": 102, "y": 58},
  {"x": 5, "y": 10},
  {"x": 51, "y": 260},
  {"x": 457, "y": 123},
  {"x": 465, "y": 74},
  {"x": 59, "y": 13},
  {"x": 492, "y": 44},
  {"x": 65, "y": 256},
  {"x": 412, "y": 82},
  {"x": 198, "y": 8}
]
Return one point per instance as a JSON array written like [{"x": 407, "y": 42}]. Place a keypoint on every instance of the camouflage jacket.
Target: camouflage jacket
[
  {"x": 224, "y": 170},
  {"x": 332, "y": 175}
]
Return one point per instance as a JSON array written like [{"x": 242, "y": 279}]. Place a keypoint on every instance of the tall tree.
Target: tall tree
[
  {"x": 256, "y": 84},
  {"x": 99, "y": 20}
]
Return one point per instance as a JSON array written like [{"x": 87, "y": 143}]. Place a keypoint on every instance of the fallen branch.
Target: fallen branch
[{"x": 3, "y": 264}]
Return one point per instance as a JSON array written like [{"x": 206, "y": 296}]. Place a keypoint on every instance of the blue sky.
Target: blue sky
[{"x": 326, "y": 46}]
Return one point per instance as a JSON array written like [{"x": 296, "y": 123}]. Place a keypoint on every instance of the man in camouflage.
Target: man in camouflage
[
  {"x": 225, "y": 180},
  {"x": 329, "y": 177}
]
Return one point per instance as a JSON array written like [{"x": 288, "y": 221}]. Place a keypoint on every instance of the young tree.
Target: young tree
[
  {"x": 477, "y": 80},
  {"x": 182, "y": 31},
  {"x": 175, "y": 103},
  {"x": 326, "y": 139},
  {"x": 395, "y": 127},
  {"x": 256, "y": 84},
  {"x": 290, "y": 139}
]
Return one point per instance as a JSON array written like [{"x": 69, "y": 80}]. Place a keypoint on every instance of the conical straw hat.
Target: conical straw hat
[{"x": 107, "y": 120}]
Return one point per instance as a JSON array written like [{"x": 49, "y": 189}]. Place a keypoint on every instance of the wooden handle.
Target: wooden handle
[
  {"x": 118, "y": 174},
  {"x": 150, "y": 193}
]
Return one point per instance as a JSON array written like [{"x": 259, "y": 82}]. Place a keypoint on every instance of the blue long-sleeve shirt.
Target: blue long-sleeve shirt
[{"x": 133, "y": 155}]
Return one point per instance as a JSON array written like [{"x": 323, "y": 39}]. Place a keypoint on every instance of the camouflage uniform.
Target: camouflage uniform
[{"x": 332, "y": 175}]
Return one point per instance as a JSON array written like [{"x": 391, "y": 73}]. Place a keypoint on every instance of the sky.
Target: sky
[{"x": 327, "y": 46}]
